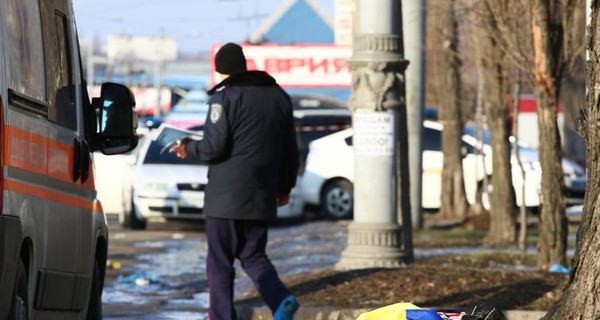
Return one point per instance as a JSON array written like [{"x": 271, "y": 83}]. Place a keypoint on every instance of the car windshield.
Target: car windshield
[
  {"x": 190, "y": 107},
  {"x": 194, "y": 101}
]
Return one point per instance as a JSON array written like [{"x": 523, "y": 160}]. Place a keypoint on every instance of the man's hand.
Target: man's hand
[
  {"x": 179, "y": 149},
  {"x": 282, "y": 199}
]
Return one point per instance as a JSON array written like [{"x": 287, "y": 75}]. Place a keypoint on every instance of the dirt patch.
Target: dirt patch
[
  {"x": 433, "y": 283},
  {"x": 509, "y": 281},
  {"x": 428, "y": 284}
]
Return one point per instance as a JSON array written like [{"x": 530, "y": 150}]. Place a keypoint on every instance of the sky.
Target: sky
[{"x": 195, "y": 24}]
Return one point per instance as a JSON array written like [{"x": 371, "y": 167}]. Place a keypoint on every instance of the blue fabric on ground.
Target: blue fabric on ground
[{"x": 421, "y": 314}]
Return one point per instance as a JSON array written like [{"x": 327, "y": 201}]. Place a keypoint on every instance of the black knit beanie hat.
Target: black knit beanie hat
[{"x": 230, "y": 59}]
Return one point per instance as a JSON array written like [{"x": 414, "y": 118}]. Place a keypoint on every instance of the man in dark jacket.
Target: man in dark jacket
[{"x": 250, "y": 143}]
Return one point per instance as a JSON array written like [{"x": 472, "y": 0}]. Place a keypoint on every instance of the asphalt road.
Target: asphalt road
[{"x": 159, "y": 273}]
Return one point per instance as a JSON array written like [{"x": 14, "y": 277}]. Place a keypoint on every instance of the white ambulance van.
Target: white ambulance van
[{"x": 53, "y": 233}]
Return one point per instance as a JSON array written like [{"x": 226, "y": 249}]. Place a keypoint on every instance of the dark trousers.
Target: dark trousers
[{"x": 246, "y": 241}]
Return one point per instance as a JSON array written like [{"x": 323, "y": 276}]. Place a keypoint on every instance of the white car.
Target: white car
[
  {"x": 329, "y": 175},
  {"x": 190, "y": 111},
  {"x": 150, "y": 185},
  {"x": 161, "y": 185}
]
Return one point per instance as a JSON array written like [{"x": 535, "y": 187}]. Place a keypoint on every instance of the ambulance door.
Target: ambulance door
[
  {"x": 91, "y": 219},
  {"x": 62, "y": 281}
]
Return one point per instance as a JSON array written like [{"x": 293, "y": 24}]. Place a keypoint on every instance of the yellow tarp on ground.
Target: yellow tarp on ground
[
  {"x": 395, "y": 311},
  {"x": 399, "y": 311}
]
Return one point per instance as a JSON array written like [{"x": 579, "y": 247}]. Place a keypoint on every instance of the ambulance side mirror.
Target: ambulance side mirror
[{"x": 117, "y": 119}]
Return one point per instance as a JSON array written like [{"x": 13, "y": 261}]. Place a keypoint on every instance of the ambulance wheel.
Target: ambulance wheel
[
  {"x": 338, "y": 200},
  {"x": 94, "y": 311},
  {"x": 135, "y": 222},
  {"x": 20, "y": 301}
]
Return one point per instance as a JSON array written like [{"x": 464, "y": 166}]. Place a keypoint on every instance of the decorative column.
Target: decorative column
[{"x": 379, "y": 114}]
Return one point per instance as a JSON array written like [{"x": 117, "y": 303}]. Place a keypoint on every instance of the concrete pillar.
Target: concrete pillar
[
  {"x": 413, "y": 19},
  {"x": 377, "y": 102}
]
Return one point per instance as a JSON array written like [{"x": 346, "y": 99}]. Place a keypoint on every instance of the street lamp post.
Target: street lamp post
[
  {"x": 414, "y": 48},
  {"x": 379, "y": 121}
]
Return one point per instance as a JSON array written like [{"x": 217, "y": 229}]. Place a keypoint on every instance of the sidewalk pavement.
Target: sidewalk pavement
[{"x": 326, "y": 313}]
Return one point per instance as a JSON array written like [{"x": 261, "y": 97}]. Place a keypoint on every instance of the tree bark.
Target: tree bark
[
  {"x": 502, "y": 219},
  {"x": 454, "y": 201},
  {"x": 547, "y": 45},
  {"x": 581, "y": 298}
]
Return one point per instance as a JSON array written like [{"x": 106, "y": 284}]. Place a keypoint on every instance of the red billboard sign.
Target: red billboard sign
[{"x": 306, "y": 65}]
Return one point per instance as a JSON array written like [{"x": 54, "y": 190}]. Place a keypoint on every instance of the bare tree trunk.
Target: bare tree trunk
[
  {"x": 553, "y": 223},
  {"x": 502, "y": 220},
  {"x": 522, "y": 243},
  {"x": 580, "y": 298},
  {"x": 454, "y": 201}
]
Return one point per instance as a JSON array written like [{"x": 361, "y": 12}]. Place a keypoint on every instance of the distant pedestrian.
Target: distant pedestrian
[{"x": 250, "y": 143}]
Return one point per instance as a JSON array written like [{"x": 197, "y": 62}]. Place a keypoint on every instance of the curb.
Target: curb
[
  {"x": 524, "y": 315},
  {"x": 325, "y": 313},
  {"x": 304, "y": 313}
]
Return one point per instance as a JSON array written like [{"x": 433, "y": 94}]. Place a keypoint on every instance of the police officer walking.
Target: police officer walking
[{"x": 250, "y": 142}]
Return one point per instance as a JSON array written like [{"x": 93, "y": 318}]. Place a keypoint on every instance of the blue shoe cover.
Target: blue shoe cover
[{"x": 286, "y": 309}]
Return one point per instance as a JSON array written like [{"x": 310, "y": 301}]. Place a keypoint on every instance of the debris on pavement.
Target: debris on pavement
[
  {"x": 139, "y": 278},
  {"x": 558, "y": 268}
]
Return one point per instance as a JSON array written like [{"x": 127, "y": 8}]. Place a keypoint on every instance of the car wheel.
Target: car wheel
[
  {"x": 485, "y": 192},
  {"x": 20, "y": 302},
  {"x": 338, "y": 199},
  {"x": 124, "y": 219},
  {"x": 135, "y": 222},
  {"x": 94, "y": 311},
  {"x": 125, "y": 213}
]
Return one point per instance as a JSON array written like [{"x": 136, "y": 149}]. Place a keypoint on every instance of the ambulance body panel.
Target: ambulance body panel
[{"x": 53, "y": 232}]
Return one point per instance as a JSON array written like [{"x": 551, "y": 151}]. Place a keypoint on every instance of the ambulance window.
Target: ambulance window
[
  {"x": 63, "y": 110},
  {"x": 26, "y": 71}
]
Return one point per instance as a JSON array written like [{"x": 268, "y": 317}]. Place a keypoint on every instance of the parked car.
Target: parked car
[
  {"x": 574, "y": 174},
  {"x": 329, "y": 175},
  {"x": 317, "y": 116},
  {"x": 309, "y": 101},
  {"x": 190, "y": 111},
  {"x": 157, "y": 185},
  {"x": 113, "y": 173},
  {"x": 161, "y": 185}
]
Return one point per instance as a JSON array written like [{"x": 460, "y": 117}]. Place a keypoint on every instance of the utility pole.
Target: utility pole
[
  {"x": 414, "y": 44},
  {"x": 379, "y": 120},
  {"x": 158, "y": 75}
]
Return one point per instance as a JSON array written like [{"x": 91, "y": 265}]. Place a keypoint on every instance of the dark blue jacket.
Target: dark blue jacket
[{"x": 250, "y": 144}]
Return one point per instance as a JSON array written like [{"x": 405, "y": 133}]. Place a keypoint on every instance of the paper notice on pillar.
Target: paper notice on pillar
[{"x": 373, "y": 133}]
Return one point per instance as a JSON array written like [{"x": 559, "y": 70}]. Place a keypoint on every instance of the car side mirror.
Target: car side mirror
[{"x": 117, "y": 119}]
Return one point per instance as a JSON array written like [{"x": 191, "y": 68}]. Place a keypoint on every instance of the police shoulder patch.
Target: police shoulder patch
[{"x": 215, "y": 112}]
